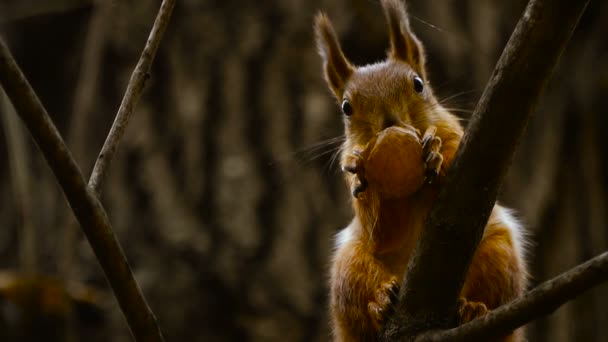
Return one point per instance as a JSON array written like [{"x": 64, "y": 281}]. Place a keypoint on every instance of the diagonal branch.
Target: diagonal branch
[
  {"x": 543, "y": 300},
  {"x": 84, "y": 202},
  {"x": 455, "y": 225},
  {"x": 134, "y": 90},
  {"x": 82, "y": 107}
]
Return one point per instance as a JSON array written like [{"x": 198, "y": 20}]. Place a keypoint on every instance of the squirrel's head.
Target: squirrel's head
[{"x": 374, "y": 97}]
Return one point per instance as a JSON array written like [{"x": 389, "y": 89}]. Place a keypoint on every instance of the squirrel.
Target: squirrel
[{"x": 372, "y": 252}]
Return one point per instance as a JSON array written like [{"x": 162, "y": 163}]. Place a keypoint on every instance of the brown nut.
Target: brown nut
[{"x": 394, "y": 165}]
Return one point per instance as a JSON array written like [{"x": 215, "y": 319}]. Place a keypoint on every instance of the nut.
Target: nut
[{"x": 393, "y": 162}]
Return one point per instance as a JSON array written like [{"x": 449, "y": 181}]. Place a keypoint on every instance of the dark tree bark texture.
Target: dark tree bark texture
[{"x": 225, "y": 209}]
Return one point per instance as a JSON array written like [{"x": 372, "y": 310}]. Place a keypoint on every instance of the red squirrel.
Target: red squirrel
[{"x": 372, "y": 252}]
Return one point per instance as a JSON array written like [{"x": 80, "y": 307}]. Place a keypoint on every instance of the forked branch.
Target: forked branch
[
  {"x": 84, "y": 199},
  {"x": 455, "y": 225}
]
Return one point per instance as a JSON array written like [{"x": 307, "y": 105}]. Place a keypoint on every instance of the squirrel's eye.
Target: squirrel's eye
[
  {"x": 418, "y": 84},
  {"x": 347, "y": 109}
]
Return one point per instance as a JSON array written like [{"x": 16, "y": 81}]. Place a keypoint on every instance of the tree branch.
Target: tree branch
[
  {"x": 84, "y": 101},
  {"x": 454, "y": 227},
  {"x": 543, "y": 300},
  {"x": 87, "y": 208},
  {"x": 134, "y": 90}
]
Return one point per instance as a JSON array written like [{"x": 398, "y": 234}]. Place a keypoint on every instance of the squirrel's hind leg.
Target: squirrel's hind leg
[{"x": 498, "y": 273}]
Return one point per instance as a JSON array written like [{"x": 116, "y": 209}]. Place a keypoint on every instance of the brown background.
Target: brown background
[{"x": 219, "y": 195}]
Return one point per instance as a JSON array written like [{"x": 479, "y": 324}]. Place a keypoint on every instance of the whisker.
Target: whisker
[
  {"x": 457, "y": 95},
  {"x": 323, "y": 143},
  {"x": 334, "y": 157},
  {"x": 314, "y": 156},
  {"x": 460, "y": 110}
]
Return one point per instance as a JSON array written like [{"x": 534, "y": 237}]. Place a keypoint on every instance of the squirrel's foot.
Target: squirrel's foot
[
  {"x": 468, "y": 311},
  {"x": 383, "y": 305},
  {"x": 354, "y": 164},
  {"x": 433, "y": 159}
]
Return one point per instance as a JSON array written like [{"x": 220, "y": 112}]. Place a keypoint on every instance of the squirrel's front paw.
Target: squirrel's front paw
[
  {"x": 383, "y": 305},
  {"x": 433, "y": 159},
  {"x": 354, "y": 164},
  {"x": 468, "y": 311}
]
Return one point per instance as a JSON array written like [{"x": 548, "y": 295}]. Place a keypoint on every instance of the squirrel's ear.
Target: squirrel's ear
[
  {"x": 337, "y": 68},
  {"x": 404, "y": 44}
]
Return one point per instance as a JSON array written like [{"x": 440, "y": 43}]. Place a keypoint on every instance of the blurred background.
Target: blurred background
[{"x": 222, "y": 193}]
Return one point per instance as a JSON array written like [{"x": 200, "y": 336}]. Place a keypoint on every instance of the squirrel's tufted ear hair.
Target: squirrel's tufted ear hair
[
  {"x": 337, "y": 68},
  {"x": 404, "y": 44}
]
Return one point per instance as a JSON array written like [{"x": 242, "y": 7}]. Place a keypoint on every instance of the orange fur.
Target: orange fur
[{"x": 373, "y": 251}]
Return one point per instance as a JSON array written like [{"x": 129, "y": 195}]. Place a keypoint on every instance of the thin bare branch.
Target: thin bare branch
[
  {"x": 543, "y": 300},
  {"x": 454, "y": 227},
  {"x": 84, "y": 202},
  {"x": 129, "y": 101}
]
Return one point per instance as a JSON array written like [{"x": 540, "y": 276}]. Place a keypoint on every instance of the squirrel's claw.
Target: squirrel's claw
[
  {"x": 360, "y": 186},
  {"x": 433, "y": 166},
  {"x": 349, "y": 168},
  {"x": 385, "y": 299},
  {"x": 431, "y": 149},
  {"x": 354, "y": 164},
  {"x": 468, "y": 311},
  {"x": 377, "y": 313}
]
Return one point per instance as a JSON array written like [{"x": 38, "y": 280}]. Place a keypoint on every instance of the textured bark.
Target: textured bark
[{"x": 224, "y": 212}]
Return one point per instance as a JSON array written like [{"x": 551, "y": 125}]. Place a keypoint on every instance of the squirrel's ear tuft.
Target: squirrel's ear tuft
[
  {"x": 337, "y": 68},
  {"x": 404, "y": 44}
]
